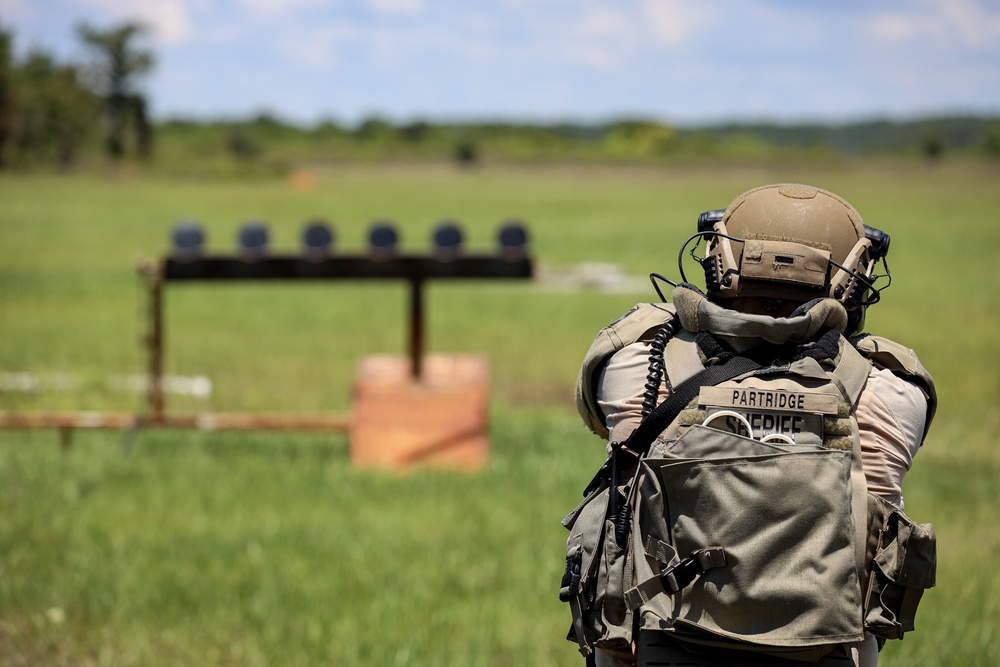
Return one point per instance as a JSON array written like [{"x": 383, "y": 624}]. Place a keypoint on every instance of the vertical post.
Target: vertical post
[
  {"x": 66, "y": 437},
  {"x": 416, "y": 327},
  {"x": 155, "y": 344}
]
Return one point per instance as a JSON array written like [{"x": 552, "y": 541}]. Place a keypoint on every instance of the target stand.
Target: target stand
[{"x": 407, "y": 412}]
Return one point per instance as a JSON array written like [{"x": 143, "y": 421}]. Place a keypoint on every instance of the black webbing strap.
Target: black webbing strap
[
  {"x": 666, "y": 412},
  {"x": 679, "y": 576}
]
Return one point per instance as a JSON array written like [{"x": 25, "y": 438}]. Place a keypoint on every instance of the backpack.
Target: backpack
[{"x": 750, "y": 522}]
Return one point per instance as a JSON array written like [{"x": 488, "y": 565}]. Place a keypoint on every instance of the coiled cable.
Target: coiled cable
[
  {"x": 622, "y": 516},
  {"x": 657, "y": 365}
]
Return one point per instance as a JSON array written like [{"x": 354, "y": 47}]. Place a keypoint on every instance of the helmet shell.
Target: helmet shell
[{"x": 796, "y": 213}]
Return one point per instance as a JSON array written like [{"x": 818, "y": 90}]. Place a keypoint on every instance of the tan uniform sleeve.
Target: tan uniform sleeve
[
  {"x": 620, "y": 386},
  {"x": 891, "y": 413}
]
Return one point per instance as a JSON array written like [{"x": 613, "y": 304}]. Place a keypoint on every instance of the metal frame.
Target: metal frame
[{"x": 415, "y": 269}]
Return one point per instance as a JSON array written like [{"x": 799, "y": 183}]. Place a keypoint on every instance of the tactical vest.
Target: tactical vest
[{"x": 751, "y": 524}]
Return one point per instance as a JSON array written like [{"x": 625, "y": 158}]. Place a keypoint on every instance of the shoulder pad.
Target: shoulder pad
[
  {"x": 639, "y": 323},
  {"x": 851, "y": 369},
  {"x": 901, "y": 360}
]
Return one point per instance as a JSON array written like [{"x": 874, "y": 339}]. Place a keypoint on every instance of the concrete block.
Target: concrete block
[{"x": 439, "y": 421}]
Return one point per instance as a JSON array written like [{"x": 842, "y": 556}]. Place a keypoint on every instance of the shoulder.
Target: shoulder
[
  {"x": 638, "y": 324},
  {"x": 901, "y": 362}
]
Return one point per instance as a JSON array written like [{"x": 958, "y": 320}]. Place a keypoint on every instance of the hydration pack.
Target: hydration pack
[{"x": 748, "y": 523}]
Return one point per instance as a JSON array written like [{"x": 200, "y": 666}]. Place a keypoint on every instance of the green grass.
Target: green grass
[{"x": 270, "y": 549}]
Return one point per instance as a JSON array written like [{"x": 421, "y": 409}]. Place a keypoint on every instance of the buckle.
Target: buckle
[
  {"x": 570, "y": 586},
  {"x": 603, "y": 477},
  {"x": 679, "y": 576}
]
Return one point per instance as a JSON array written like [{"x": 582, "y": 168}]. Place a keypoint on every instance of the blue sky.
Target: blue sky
[{"x": 682, "y": 61}]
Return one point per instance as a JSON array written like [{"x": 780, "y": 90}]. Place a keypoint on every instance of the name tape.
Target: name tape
[{"x": 743, "y": 398}]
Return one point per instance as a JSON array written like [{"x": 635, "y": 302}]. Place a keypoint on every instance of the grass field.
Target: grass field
[{"x": 190, "y": 548}]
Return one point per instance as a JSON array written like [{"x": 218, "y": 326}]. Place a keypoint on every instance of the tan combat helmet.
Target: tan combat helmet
[{"x": 792, "y": 242}]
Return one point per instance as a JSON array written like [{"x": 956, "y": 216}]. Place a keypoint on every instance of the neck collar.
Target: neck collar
[{"x": 743, "y": 331}]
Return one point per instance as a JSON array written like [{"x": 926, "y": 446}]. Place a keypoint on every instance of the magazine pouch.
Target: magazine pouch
[
  {"x": 903, "y": 565},
  {"x": 598, "y": 571}
]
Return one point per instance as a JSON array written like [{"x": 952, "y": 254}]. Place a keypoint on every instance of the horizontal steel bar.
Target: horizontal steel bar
[
  {"x": 206, "y": 421},
  {"x": 84, "y": 420},
  {"x": 345, "y": 267}
]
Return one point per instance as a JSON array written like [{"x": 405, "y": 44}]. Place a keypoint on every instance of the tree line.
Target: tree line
[
  {"x": 49, "y": 109},
  {"x": 262, "y": 138},
  {"x": 52, "y": 113}
]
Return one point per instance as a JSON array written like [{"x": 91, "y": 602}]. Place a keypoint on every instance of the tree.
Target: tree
[
  {"x": 991, "y": 140},
  {"x": 376, "y": 130},
  {"x": 45, "y": 110},
  {"x": 933, "y": 144},
  {"x": 466, "y": 153},
  {"x": 6, "y": 91},
  {"x": 118, "y": 65},
  {"x": 639, "y": 138},
  {"x": 53, "y": 110}
]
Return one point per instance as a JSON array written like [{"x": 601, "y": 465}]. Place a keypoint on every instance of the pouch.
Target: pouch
[
  {"x": 598, "y": 572},
  {"x": 903, "y": 565},
  {"x": 784, "y": 521}
]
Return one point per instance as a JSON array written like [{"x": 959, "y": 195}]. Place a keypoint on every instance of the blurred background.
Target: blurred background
[
  {"x": 279, "y": 83},
  {"x": 605, "y": 126}
]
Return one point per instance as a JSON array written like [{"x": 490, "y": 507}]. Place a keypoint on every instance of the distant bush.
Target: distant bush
[{"x": 991, "y": 141}]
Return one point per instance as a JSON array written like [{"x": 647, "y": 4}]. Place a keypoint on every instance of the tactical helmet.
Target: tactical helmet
[{"x": 794, "y": 242}]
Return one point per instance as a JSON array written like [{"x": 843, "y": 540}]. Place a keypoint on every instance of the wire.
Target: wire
[
  {"x": 869, "y": 281},
  {"x": 653, "y": 277},
  {"x": 700, "y": 261},
  {"x": 680, "y": 253},
  {"x": 657, "y": 365}
]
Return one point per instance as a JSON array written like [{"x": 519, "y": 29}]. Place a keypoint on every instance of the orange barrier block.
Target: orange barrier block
[{"x": 438, "y": 421}]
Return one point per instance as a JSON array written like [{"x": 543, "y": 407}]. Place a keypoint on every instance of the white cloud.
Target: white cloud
[
  {"x": 602, "y": 22},
  {"x": 17, "y": 10},
  {"x": 892, "y": 27},
  {"x": 396, "y": 7},
  {"x": 551, "y": 57},
  {"x": 168, "y": 19},
  {"x": 675, "y": 23},
  {"x": 282, "y": 7},
  {"x": 948, "y": 25},
  {"x": 317, "y": 47},
  {"x": 603, "y": 37},
  {"x": 970, "y": 21}
]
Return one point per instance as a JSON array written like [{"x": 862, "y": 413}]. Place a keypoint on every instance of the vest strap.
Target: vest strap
[
  {"x": 681, "y": 359},
  {"x": 678, "y": 576},
  {"x": 665, "y": 413}
]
